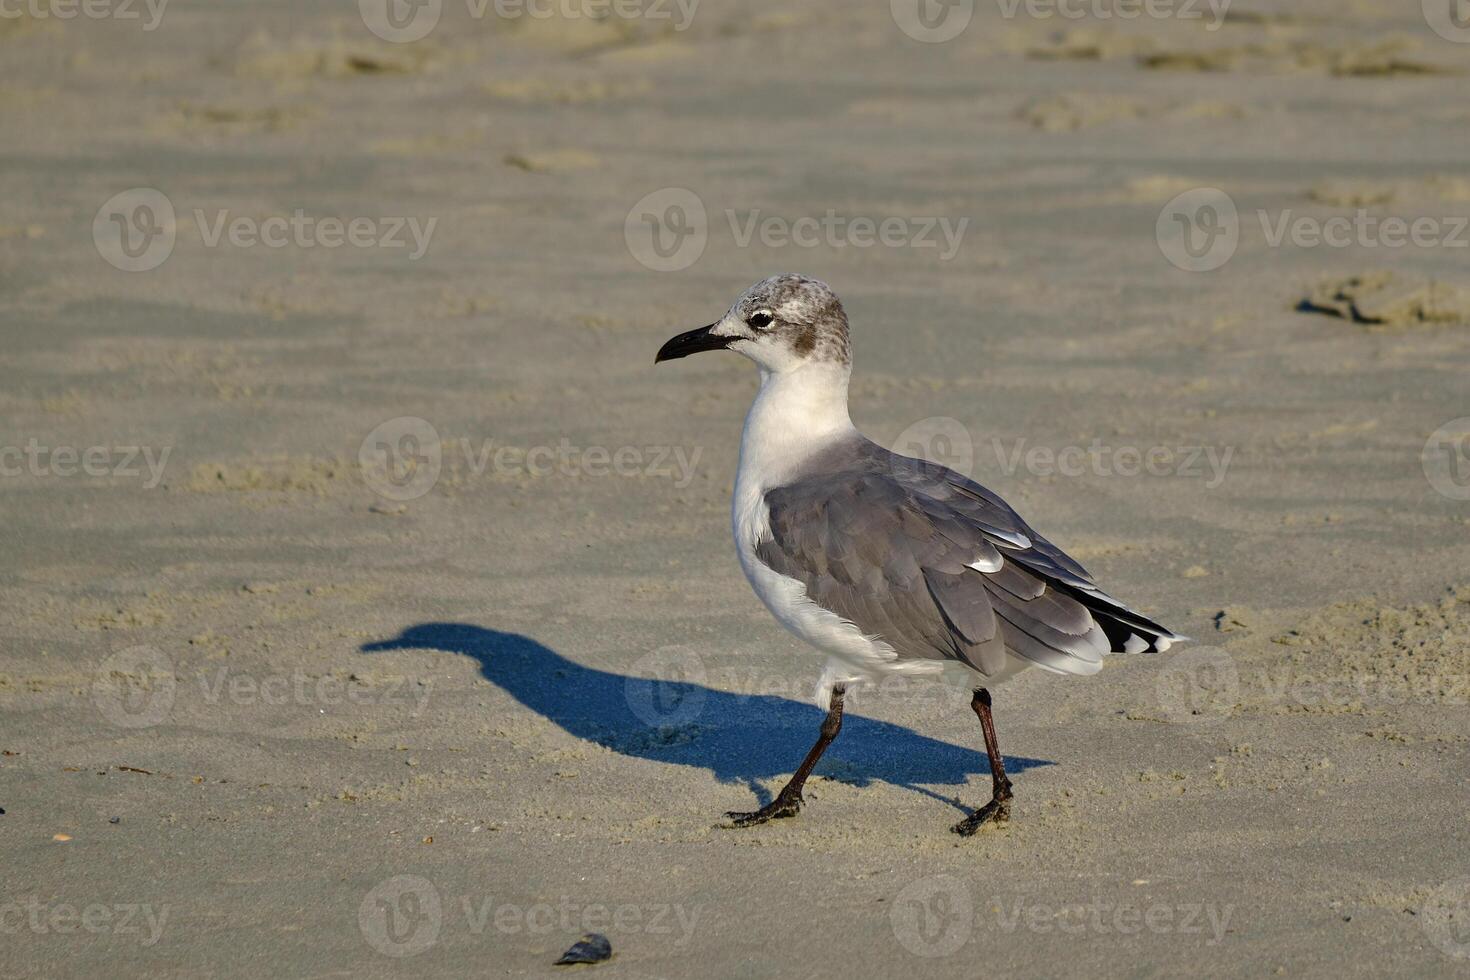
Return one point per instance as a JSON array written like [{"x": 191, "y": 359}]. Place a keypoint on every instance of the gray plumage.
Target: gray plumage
[{"x": 939, "y": 567}]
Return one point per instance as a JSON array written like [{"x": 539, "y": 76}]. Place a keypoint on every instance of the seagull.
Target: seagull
[{"x": 886, "y": 564}]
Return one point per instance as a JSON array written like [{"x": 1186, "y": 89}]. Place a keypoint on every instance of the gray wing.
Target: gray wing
[{"x": 939, "y": 567}]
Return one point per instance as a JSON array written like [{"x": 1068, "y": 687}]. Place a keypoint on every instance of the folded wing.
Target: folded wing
[{"x": 939, "y": 567}]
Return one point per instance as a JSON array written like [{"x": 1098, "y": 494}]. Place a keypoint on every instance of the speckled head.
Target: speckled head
[{"x": 782, "y": 323}]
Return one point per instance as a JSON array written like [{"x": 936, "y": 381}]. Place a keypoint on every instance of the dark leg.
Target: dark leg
[
  {"x": 998, "y": 810},
  {"x": 788, "y": 802}
]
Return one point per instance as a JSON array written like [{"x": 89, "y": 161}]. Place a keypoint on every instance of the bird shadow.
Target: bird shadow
[{"x": 739, "y": 738}]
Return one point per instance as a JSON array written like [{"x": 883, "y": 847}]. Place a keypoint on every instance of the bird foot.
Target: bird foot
[
  {"x": 996, "y": 811},
  {"x": 781, "y": 806}
]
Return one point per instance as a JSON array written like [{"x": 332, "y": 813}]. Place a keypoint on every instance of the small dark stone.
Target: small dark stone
[
  {"x": 114, "y": 819},
  {"x": 591, "y": 948}
]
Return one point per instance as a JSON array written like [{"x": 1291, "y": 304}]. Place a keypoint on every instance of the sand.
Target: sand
[{"x": 270, "y": 706}]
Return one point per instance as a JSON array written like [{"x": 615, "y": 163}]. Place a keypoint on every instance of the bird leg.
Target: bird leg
[
  {"x": 788, "y": 802},
  {"x": 998, "y": 810}
]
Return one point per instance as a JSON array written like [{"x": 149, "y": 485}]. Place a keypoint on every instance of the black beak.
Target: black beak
[{"x": 692, "y": 343}]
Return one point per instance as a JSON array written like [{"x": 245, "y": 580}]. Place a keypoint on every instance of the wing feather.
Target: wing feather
[{"x": 939, "y": 567}]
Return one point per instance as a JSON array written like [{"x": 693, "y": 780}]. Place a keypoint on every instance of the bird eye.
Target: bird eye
[{"x": 760, "y": 320}]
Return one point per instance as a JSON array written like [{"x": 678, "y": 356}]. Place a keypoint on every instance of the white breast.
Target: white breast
[{"x": 794, "y": 416}]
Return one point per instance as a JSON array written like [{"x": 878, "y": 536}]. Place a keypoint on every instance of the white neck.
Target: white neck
[{"x": 795, "y": 414}]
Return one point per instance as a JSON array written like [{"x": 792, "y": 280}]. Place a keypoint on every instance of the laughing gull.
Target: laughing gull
[{"x": 888, "y": 565}]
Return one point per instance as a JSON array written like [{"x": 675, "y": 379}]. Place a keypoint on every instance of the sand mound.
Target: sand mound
[
  {"x": 268, "y": 57},
  {"x": 1382, "y": 59},
  {"x": 293, "y": 474},
  {"x": 1387, "y": 299}
]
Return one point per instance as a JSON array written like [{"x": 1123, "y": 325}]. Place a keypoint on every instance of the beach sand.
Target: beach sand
[{"x": 270, "y": 709}]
